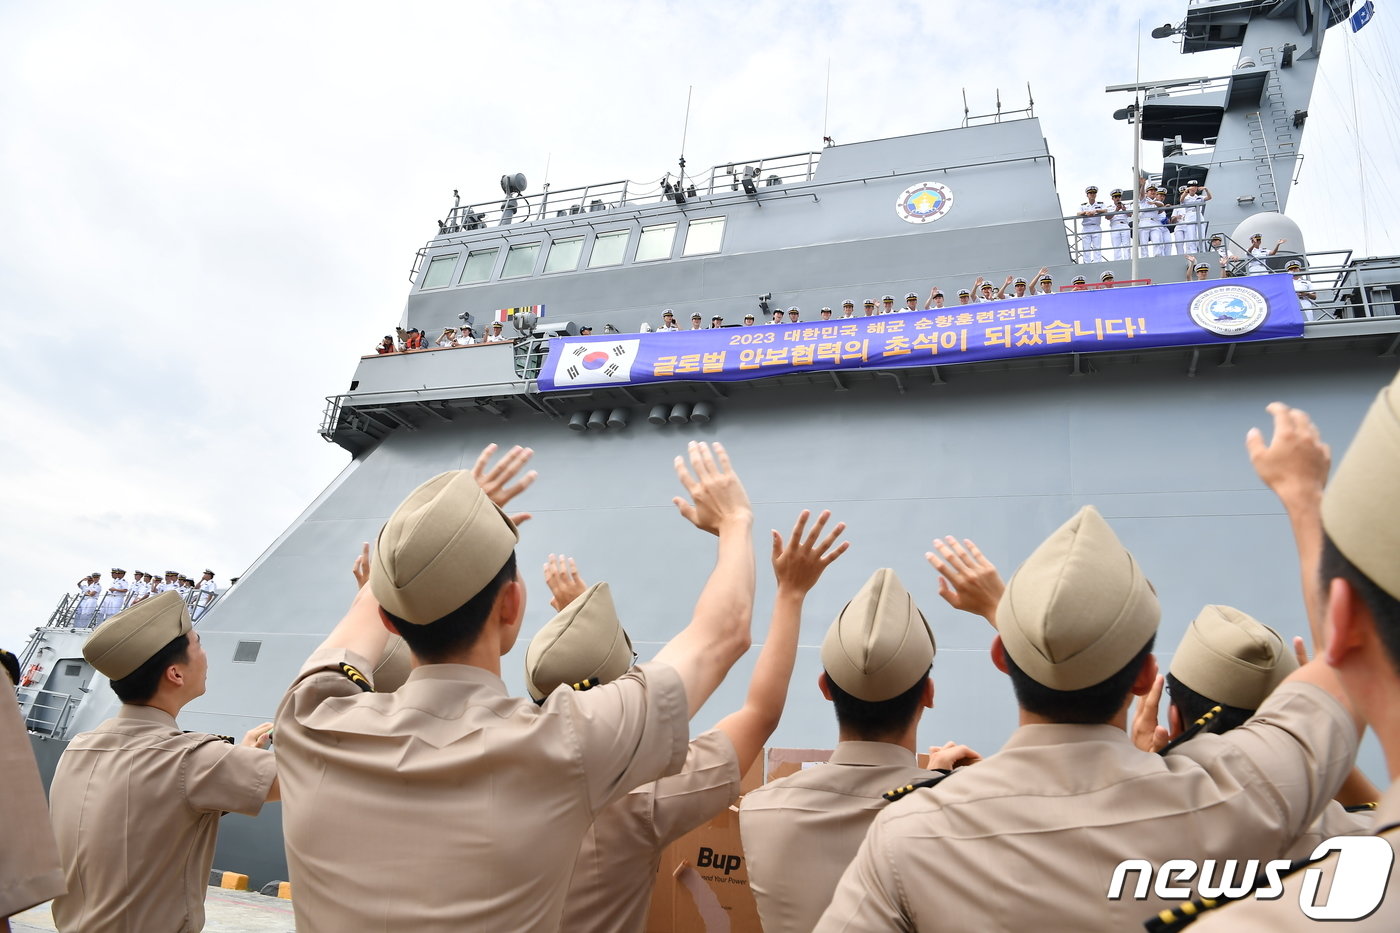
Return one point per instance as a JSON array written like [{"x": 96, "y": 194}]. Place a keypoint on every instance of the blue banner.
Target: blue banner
[
  {"x": 1363, "y": 16},
  {"x": 1259, "y": 307}
]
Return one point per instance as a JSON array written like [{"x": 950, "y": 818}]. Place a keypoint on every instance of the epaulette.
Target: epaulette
[
  {"x": 1177, "y": 918},
  {"x": 356, "y": 678},
  {"x": 588, "y": 683},
  {"x": 222, "y": 738},
  {"x": 907, "y": 789},
  {"x": 1193, "y": 730},
  {"x": 1361, "y": 807}
]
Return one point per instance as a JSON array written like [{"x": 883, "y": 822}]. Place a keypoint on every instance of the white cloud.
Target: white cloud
[{"x": 210, "y": 210}]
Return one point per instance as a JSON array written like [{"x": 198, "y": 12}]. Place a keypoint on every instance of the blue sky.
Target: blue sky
[{"x": 210, "y": 211}]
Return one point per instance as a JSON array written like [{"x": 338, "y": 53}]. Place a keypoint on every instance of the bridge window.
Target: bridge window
[
  {"x": 478, "y": 267},
  {"x": 656, "y": 242},
  {"x": 703, "y": 236},
  {"x": 520, "y": 260},
  {"x": 439, "y": 274},
  {"x": 608, "y": 248},
  {"x": 564, "y": 255}
]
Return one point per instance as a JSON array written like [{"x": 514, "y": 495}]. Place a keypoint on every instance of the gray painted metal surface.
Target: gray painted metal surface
[{"x": 999, "y": 452}]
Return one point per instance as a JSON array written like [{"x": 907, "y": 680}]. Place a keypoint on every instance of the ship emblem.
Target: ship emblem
[
  {"x": 921, "y": 203},
  {"x": 1229, "y": 310}
]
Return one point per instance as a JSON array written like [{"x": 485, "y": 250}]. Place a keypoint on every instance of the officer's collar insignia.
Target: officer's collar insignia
[{"x": 356, "y": 677}]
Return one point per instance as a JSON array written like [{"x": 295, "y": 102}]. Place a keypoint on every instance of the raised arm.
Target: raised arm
[
  {"x": 798, "y": 566},
  {"x": 1274, "y": 251},
  {"x": 718, "y": 633},
  {"x": 966, "y": 579},
  {"x": 564, "y": 581},
  {"x": 1295, "y": 465}
]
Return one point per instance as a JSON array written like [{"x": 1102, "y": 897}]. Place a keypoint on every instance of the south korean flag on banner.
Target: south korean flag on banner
[{"x": 596, "y": 362}]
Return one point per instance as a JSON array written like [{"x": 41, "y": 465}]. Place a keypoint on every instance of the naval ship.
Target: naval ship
[{"x": 994, "y": 442}]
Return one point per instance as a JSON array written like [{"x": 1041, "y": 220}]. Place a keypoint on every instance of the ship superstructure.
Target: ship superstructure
[{"x": 999, "y": 451}]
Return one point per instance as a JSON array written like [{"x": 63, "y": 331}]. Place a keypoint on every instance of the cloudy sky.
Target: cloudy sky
[{"x": 208, "y": 211}]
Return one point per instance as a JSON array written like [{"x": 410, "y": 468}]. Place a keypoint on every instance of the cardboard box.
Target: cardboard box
[{"x": 702, "y": 883}]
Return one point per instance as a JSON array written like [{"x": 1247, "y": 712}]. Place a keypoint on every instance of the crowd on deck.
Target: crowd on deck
[
  {"x": 463, "y": 336},
  {"x": 1167, "y": 227},
  {"x": 97, "y": 603}
]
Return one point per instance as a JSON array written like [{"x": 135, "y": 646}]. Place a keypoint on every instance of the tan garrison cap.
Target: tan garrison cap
[
  {"x": 440, "y": 548},
  {"x": 880, "y": 645},
  {"x": 1230, "y": 657},
  {"x": 394, "y": 666},
  {"x": 131, "y": 638},
  {"x": 584, "y": 642},
  {"x": 1079, "y": 608},
  {"x": 1361, "y": 509}
]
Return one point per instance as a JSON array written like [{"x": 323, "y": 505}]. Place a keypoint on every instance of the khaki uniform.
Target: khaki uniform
[
  {"x": 1282, "y": 915},
  {"x": 1035, "y": 831},
  {"x": 616, "y": 866},
  {"x": 136, "y": 807},
  {"x": 504, "y": 789},
  {"x": 30, "y": 872},
  {"x": 1334, "y": 821},
  {"x": 800, "y": 832}
]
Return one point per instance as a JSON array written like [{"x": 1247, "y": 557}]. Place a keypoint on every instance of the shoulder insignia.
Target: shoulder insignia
[
  {"x": 588, "y": 683},
  {"x": 222, "y": 738},
  {"x": 356, "y": 678},
  {"x": 1196, "y": 728},
  {"x": 901, "y": 792},
  {"x": 1361, "y": 807}
]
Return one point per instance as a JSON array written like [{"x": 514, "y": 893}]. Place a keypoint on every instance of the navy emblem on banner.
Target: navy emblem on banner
[
  {"x": 921, "y": 203},
  {"x": 1229, "y": 310}
]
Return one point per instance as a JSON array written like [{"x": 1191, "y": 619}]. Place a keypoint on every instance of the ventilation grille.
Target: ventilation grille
[{"x": 247, "y": 651}]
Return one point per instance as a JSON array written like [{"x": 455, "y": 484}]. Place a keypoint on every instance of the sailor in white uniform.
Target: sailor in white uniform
[
  {"x": 90, "y": 589},
  {"x": 848, "y": 308},
  {"x": 140, "y": 587},
  {"x": 1091, "y": 226},
  {"x": 1191, "y": 228},
  {"x": 115, "y": 600},
  {"x": 1258, "y": 262},
  {"x": 495, "y": 336},
  {"x": 1307, "y": 294},
  {"x": 205, "y": 597},
  {"x": 1152, "y": 237},
  {"x": 1120, "y": 224}
]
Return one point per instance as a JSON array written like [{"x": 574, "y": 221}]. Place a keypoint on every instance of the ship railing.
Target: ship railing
[
  {"x": 589, "y": 199},
  {"x": 47, "y": 712},
  {"x": 65, "y": 614}
]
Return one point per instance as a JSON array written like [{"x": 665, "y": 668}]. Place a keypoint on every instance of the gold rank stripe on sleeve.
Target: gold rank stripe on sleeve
[
  {"x": 588, "y": 683},
  {"x": 355, "y": 677},
  {"x": 899, "y": 793},
  {"x": 1362, "y": 807},
  {"x": 1193, "y": 730}
]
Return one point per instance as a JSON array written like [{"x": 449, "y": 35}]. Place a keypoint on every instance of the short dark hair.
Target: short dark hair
[
  {"x": 140, "y": 685},
  {"x": 875, "y": 720},
  {"x": 11, "y": 665},
  {"x": 1192, "y": 706},
  {"x": 1092, "y": 705},
  {"x": 1384, "y": 608},
  {"x": 460, "y": 628}
]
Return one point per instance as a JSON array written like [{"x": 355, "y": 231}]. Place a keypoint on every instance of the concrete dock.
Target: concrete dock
[{"x": 225, "y": 912}]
